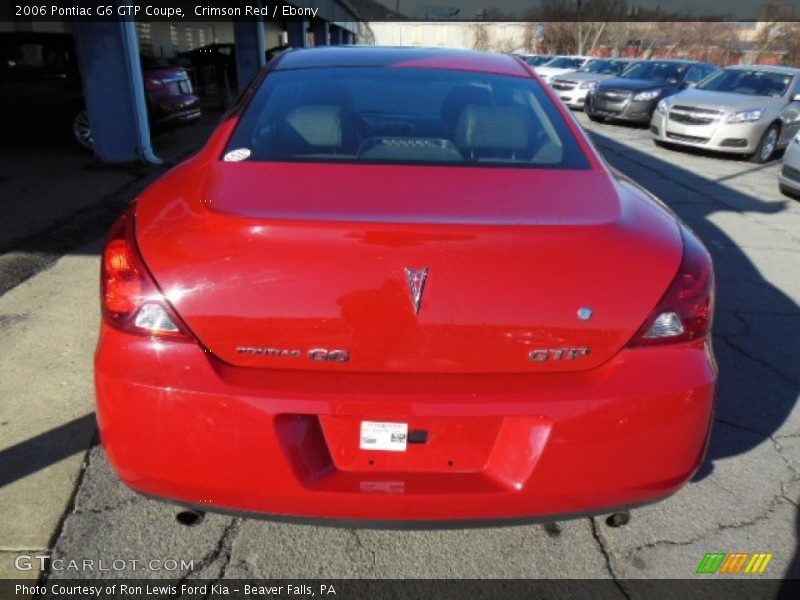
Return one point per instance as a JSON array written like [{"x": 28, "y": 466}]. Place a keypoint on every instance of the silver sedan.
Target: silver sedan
[
  {"x": 789, "y": 178},
  {"x": 745, "y": 109}
]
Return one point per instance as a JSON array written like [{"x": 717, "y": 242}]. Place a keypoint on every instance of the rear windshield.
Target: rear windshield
[
  {"x": 565, "y": 62},
  {"x": 657, "y": 71},
  {"x": 404, "y": 115},
  {"x": 540, "y": 59},
  {"x": 751, "y": 83}
]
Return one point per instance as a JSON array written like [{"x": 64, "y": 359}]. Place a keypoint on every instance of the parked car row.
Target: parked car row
[
  {"x": 751, "y": 110},
  {"x": 41, "y": 87}
]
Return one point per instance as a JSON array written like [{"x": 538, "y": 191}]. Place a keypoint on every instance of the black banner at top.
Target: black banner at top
[{"x": 401, "y": 10}]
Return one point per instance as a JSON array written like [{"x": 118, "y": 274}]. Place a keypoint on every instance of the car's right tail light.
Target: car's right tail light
[{"x": 686, "y": 311}]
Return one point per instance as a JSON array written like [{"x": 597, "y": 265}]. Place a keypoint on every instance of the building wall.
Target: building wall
[
  {"x": 167, "y": 39},
  {"x": 498, "y": 37}
]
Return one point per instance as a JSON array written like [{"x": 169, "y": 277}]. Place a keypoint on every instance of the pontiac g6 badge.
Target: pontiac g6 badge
[{"x": 416, "y": 283}]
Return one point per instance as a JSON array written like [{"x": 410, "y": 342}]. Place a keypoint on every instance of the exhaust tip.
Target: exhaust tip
[
  {"x": 618, "y": 519},
  {"x": 190, "y": 518},
  {"x": 552, "y": 529}
]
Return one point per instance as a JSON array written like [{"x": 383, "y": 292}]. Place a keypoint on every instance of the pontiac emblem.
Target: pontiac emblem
[{"x": 416, "y": 283}]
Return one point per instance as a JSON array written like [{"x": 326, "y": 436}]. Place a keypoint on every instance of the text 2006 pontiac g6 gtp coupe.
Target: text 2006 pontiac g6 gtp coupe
[{"x": 400, "y": 285}]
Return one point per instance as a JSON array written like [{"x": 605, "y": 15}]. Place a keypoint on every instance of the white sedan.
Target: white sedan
[{"x": 560, "y": 65}]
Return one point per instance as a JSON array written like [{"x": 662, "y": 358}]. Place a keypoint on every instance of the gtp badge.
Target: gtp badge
[{"x": 416, "y": 283}]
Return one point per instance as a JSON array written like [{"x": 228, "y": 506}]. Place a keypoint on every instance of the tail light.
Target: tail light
[
  {"x": 151, "y": 84},
  {"x": 685, "y": 312},
  {"x": 131, "y": 299}
]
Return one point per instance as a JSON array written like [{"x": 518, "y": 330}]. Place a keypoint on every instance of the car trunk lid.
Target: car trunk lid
[{"x": 294, "y": 266}]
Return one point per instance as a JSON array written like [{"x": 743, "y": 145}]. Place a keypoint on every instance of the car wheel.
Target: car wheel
[
  {"x": 596, "y": 118},
  {"x": 82, "y": 130},
  {"x": 767, "y": 145},
  {"x": 665, "y": 145}
]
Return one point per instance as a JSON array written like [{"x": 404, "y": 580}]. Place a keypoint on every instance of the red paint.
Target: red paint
[{"x": 305, "y": 256}]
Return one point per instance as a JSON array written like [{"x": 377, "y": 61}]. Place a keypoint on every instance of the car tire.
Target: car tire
[
  {"x": 787, "y": 191},
  {"x": 596, "y": 118},
  {"x": 767, "y": 145},
  {"x": 82, "y": 130},
  {"x": 665, "y": 145}
]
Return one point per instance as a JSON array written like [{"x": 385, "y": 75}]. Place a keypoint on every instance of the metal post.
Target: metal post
[
  {"x": 250, "y": 48},
  {"x": 108, "y": 54}
]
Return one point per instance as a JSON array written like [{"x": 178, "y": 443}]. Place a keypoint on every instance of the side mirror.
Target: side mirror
[{"x": 796, "y": 98}]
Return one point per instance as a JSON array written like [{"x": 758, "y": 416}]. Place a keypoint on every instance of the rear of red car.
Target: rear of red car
[
  {"x": 403, "y": 290},
  {"x": 170, "y": 97}
]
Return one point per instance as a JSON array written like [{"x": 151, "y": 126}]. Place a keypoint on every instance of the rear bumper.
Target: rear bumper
[
  {"x": 178, "y": 424},
  {"x": 737, "y": 138}
]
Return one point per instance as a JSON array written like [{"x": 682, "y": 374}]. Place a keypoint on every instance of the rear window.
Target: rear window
[
  {"x": 404, "y": 115},
  {"x": 565, "y": 62}
]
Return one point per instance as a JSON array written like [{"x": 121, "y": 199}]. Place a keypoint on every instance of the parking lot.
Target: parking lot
[{"x": 745, "y": 498}]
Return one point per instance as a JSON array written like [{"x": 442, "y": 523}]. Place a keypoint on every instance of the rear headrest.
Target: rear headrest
[
  {"x": 318, "y": 125},
  {"x": 492, "y": 127},
  {"x": 460, "y": 96}
]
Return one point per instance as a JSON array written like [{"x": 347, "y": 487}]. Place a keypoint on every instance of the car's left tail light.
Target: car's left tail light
[{"x": 131, "y": 299}]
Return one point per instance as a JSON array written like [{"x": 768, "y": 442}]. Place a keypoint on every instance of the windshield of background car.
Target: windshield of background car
[
  {"x": 564, "y": 62},
  {"x": 751, "y": 83},
  {"x": 604, "y": 67},
  {"x": 404, "y": 115},
  {"x": 535, "y": 61},
  {"x": 656, "y": 71}
]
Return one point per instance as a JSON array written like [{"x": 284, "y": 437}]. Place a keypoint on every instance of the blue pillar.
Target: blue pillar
[
  {"x": 297, "y": 33},
  {"x": 322, "y": 36},
  {"x": 108, "y": 53},
  {"x": 249, "y": 39}
]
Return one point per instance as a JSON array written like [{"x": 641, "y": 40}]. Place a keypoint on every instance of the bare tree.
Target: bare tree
[
  {"x": 579, "y": 25},
  {"x": 778, "y": 36}
]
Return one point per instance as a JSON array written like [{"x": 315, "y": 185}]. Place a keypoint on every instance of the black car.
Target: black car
[
  {"x": 41, "y": 87},
  {"x": 633, "y": 95}
]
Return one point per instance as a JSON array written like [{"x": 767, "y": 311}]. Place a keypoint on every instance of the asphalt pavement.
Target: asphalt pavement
[{"x": 745, "y": 498}]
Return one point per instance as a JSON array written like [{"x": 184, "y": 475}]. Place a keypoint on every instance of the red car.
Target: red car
[{"x": 400, "y": 285}]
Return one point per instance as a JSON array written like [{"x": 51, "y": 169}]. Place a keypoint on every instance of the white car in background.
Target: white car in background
[
  {"x": 789, "y": 178},
  {"x": 560, "y": 65},
  {"x": 573, "y": 87}
]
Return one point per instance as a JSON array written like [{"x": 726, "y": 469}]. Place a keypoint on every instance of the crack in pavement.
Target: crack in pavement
[
  {"x": 109, "y": 507},
  {"x": 87, "y": 458},
  {"x": 776, "y": 446},
  {"x": 608, "y": 559},
  {"x": 360, "y": 544},
  {"x": 728, "y": 339},
  {"x": 776, "y": 500},
  {"x": 223, "y": 549}
]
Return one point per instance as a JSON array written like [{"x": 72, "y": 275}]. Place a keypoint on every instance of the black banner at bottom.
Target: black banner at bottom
[{"x": 701, "y": 588}]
